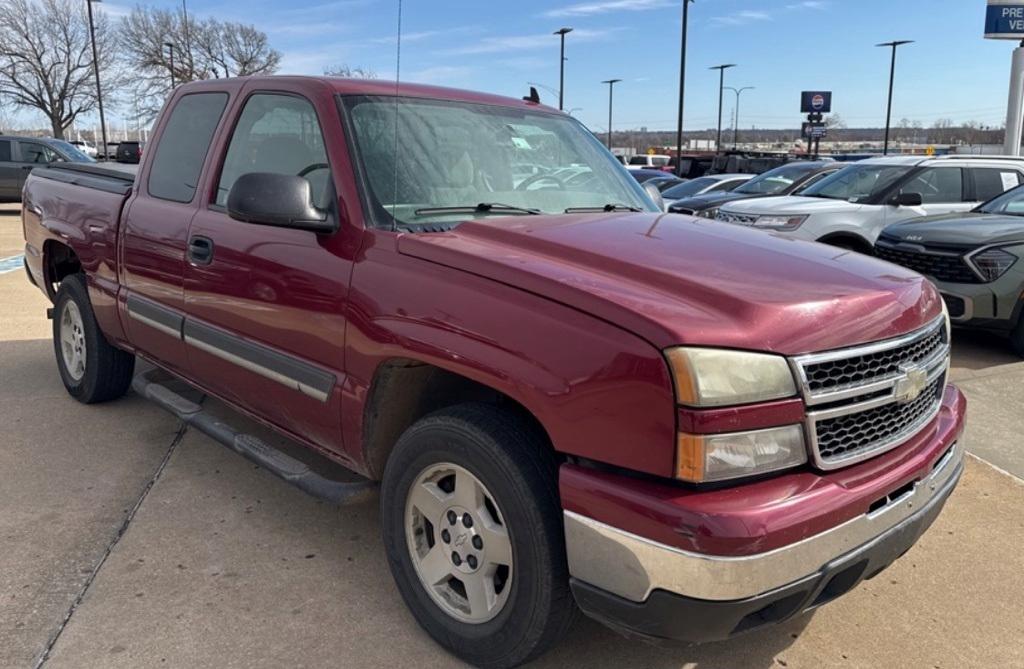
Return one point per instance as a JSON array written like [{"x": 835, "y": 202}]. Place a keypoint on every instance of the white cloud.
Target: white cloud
[
  {"x": 808, "y": 4},
  {"x": 525, "y": 42},
  {"x": 741, "y": 18},
  {"x": 444, "y": 75},
  {"x": 607, "y": 6}
]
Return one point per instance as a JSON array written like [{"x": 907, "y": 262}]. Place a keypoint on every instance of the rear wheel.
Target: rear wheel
[
  {"x": 473, "y": 533},
  {"x": 92, "y": 370}
]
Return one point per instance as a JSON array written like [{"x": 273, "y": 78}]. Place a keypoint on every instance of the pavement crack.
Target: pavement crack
[{"x": 178, "y": 437}]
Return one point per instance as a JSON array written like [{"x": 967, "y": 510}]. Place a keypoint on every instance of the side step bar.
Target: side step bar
[{"x": 280, "y": 464}]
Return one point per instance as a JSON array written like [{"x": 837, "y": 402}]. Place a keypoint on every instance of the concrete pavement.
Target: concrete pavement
[{"x": 129, "y": 542}]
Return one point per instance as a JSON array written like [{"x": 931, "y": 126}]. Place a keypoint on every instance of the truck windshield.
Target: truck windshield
[
  {"x": 858, "y": 183},
  {"x": 425, "y": 160}
]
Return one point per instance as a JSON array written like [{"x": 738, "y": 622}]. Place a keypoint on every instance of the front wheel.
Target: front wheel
[
  {"x": 473, "y": 534},
  {"x": 92, "y": 370}
]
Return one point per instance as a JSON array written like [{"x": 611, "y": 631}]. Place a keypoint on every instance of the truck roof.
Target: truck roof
[{"x": 343, "y": 86}]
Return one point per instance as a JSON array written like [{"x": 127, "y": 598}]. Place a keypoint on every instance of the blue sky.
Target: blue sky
[{"x": 780, "y": 47}]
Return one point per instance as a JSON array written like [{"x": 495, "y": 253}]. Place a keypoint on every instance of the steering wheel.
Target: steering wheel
[
  {"x": 312, "y": 168},
  {"x": 536, "y": 178}
]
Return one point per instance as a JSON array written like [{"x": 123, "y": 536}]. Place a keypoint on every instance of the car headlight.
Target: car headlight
[
  {"x": 701, "y": 458},
  {"x": 707, "y": 377},
  {"x": 991, "y": 263},
  {"x": 779, "y": 222},
  {"x": 708, "y": 213}
]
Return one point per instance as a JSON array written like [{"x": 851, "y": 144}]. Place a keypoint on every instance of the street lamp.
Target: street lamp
[
  {"x": 96, "y": 70},
  {"x": 892, "y": 75},
  {"x": 682, "y": 89},
  {"x": 721, "y": 89},
  {"x": 736, "y": 114},
  {"x": 561, "y": 67},
  {"x": 611, "y": 87}
]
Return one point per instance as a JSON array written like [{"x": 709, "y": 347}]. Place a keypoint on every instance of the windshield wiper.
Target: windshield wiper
[
  {"x": 612, "y": 206},
  {"x": 481, "y": 208}
]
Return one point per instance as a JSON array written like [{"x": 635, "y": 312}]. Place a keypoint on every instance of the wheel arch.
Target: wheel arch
[
  {"x": 403, "y": 390},
  {"x": 59, "y": 261}
]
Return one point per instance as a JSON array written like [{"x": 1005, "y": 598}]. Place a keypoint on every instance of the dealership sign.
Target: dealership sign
[{"x": 1004, "y": 19}]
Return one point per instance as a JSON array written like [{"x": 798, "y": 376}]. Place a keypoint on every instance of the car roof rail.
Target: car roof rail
[{"x": 969, "y": 156}]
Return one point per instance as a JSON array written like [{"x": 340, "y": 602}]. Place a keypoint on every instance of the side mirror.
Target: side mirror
[
  {"x": 908, "y": 200},
  {"x": 655, "y": 195},
  {"x": 281, "y": 200}
]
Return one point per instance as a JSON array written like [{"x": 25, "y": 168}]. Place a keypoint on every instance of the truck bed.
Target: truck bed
[{"x": 102, "y": 177}]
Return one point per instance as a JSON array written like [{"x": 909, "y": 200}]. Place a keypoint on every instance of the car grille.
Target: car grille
[
  {"x": 864, "y": 431},
  {"x": 739, "y": 219},
  {"x": 942, "y": 265},
  {"x": 866, "y": 400}
]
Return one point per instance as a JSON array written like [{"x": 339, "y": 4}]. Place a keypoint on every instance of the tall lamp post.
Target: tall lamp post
[
  {"x": 721, "y": 89},
  {"x": 170, "y": 46},
  {"x": 682, "y": 89},
  {"x": 736, "y": 114},
  {"x": 561, "y": 67},
  {"x": 892, "y": 75},
  {"x": 96, "y": 70},
  {"x": 611, "y": 87}
]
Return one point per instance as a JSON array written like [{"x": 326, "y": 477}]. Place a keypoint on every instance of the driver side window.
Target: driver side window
[
  {"x": 32, "y": 152},
  {"x": 278, "y": 134}
]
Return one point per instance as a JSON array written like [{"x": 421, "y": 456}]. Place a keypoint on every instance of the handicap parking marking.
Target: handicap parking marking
[{"x": 11, "y": 264}]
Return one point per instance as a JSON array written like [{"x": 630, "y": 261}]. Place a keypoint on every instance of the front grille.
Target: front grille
[
  {"x": 851, "y": 434},
  {"x": 873, "y": 366},
  {"x": 865, "y": 400},
  {"x": 941, "y": 265},
  {"x": 740, "y": 219}
]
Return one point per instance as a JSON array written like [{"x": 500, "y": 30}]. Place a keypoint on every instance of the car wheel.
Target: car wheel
[
  {"x": 92, "y": 370},
  {"x": 473, "y": 533}
]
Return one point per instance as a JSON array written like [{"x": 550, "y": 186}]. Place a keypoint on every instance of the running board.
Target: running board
[{"x": 253, "y": 448}]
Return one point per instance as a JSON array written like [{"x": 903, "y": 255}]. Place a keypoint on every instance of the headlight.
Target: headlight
[
  {"x": 708, "y": 213},
  {"x": 715, "y": 457},
  {"x": 779, "y": 222},
  {"x": 707, "y": 377},
  {"x": 992, "y": 263}
]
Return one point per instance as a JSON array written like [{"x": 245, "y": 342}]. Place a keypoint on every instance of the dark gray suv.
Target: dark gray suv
[{"x": 18, "y": 155}]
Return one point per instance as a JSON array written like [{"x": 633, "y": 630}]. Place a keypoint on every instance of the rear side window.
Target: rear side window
[
  {"x": 937, "y": 185},
  {"x": 638, "y": 160},
  {"x": 5, "y": 151},
  {"x": 32, "y": 152},
  {"x": 183, "y": 146},
  {"x": 990, "y": 182}
]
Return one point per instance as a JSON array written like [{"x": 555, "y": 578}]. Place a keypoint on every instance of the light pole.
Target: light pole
[
  {"x": 170, "y": 45},
  {"x": 611, "y": 87},
  {"x": 561, "y": 67},
  {"x": 736, "y": 117},
  {"x": 682, "y": 89},
  {"x": 721, "y": 89},
  {"x": 188, "y": 44},
  {"x": 96, "y": 70},
  {"x": 892, "y": 75}
]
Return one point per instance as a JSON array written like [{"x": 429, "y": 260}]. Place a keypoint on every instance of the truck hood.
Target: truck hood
[
  {"x": 965, "y": 230},
  {"x": 794, "y": 205},
  {"x": 680, "y": 280}
]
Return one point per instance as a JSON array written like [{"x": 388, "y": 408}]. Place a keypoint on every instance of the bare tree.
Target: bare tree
[
  {"x": 202, "y": 49},
  {"x": 46, "y": 58},
  {"x": 349, "y": 72}
]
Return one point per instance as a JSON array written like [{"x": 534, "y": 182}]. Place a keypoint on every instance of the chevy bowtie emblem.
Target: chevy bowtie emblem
[{"x": 910, "y": 385}]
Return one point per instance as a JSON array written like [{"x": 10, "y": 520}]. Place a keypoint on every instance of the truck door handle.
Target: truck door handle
[{"x": 200, "y": 250}]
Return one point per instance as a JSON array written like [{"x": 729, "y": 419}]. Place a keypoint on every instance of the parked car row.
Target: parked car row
[{"x": 572, "y": 400}]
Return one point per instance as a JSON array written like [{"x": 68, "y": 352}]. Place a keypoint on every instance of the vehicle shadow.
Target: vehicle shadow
[
  {"x": 590, "y": 644},
  {"x": 976, "y": 350}
]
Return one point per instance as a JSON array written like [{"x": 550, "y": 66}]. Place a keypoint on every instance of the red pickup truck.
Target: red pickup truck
[{"x": 572, "y": 401}]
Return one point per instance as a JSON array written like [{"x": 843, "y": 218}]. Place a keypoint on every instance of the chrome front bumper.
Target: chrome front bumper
[{"x": 632, "y": 567}]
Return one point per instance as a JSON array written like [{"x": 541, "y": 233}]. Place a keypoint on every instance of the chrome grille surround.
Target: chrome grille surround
[
  {"x": 876, "y": 380},
  {"x": 738, "y": 219}
]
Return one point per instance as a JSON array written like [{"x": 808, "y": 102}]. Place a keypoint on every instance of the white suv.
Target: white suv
[
  {"x": 851, "y": 207},
  {"x": 649, "y": 162}
]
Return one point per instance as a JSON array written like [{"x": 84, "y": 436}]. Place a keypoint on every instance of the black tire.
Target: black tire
[
  {"x": 514, "y": 462},
  {"x": 1017, "y": 337},
  {"x": 108, "y": 370}
]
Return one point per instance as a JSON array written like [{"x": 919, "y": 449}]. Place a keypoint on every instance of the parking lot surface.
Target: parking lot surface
[{"x": 132, "y": 542}]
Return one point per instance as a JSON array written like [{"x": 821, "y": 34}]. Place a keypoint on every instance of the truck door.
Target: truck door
[
  {"x": 266, "y": 305},
  {"x": 155, "y": 224}
]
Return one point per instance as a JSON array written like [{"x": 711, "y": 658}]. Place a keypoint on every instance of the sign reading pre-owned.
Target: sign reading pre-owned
[
  {"x": 815, "y": 101},
  {"x": 1004, "y": 19}
]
